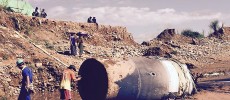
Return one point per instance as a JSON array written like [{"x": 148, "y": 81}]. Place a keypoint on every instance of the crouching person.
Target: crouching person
[
  {"x": 27, "y": 79},
  {"x": 68, "y": 75}
]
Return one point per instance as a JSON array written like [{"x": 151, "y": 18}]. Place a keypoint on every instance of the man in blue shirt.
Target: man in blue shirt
[
  {"x": 26, "y": 83},
  {"x": 73, "y": 50}
]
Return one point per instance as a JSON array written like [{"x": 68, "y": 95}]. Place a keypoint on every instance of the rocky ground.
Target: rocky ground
[{"x": 44, "y": 44}]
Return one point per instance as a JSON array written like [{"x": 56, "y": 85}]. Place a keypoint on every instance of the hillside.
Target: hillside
[
  {"x": 46, "y": 41},
  {"x": 44, "y": 44}
]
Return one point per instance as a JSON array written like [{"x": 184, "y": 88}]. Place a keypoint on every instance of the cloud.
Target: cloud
[
  {"x": 58, "y": 12},
  {"x": 142, "y": 22},
  {"x": 133, "y": 16}
]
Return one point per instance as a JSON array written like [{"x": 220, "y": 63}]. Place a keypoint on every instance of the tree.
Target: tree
[
  {"x": 192, "y": 34},
  {"x": 215, "y": 26},
  {"x": 217, "y": 30}
]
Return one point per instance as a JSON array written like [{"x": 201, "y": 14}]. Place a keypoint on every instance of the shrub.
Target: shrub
[
  {"x": 28, "y": 31},
  {"x": 5, "y": 57},
  {"x": 1, "y": 7},
  {"x": 214, "y": 25},
  {"x": 192, "y": 34},
  {"x": 174, "y": 52},
  {"x": 9, "y": 9},
  {"x": 3, "y": 98},
  {"x": 49, "y": 45}
]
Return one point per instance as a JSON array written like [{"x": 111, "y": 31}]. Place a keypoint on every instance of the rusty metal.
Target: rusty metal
[{"x": 132, "y": 79}]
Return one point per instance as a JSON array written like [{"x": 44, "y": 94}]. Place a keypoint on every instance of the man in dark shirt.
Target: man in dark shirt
[
  {"x": 80, "y": 45},
  {"x": 43, "y": 13},
  {"x": 26, "y": 83},
  {"x": 35, "y": 13},
  {"x": 94, "y": 20},
  {"x": 73, "y": 49},
  {"x": 89, "y": 20}
]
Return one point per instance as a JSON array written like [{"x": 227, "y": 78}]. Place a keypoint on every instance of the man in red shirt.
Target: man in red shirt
[{"x": 65, "y": 87}]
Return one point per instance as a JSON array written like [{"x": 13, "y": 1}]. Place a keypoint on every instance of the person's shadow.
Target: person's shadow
[{"x": 67, "y": 52}]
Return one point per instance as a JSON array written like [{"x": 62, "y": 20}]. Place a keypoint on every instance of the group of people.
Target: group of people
[
  {"x": 79, "y": 41},
  {"x": 92, "y": 20},
  {"x": 27, "y": 89},
  {"x": 38, "y": 13},
  {"x": 68, "y": 74}
]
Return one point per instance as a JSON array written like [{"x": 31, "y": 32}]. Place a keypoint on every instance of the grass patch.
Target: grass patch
[
  {"x": 3, "y": 98},
  {"x": 28, "y": 31},
  {"x": 5, "y": 57},
  {"x": 49, "y": 45}
]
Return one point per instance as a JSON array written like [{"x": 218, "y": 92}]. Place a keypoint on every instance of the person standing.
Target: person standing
[
  {"x": 95, "y": 21},
  {"x": 73, "y": 50},
  {"x": 80, "y": 45},
  {"x": 65, "y": 87},
  {"x": 26, "y": 83}
]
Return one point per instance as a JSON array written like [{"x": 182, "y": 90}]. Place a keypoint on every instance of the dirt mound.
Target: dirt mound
[
  {"x": 226, "y": 33},
  {"x": 166, "y": 35},
  {"x": 39, "y": 28},
  {"x": 162, "y": 51}
]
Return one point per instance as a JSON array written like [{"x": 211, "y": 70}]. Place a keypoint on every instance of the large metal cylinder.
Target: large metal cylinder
[{"x": 138, "y": 78}]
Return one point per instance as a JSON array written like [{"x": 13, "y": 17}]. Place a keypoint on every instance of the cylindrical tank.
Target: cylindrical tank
[{"x": 141, "y": 78}]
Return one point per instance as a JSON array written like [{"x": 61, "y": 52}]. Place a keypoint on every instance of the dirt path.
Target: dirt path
[
  {"x": 207, "y": 95},
  {"x": 216, "y": 88}
]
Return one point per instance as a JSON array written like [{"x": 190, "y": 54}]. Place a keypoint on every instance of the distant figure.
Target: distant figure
[
  {"x": 73, "y": 50},
  {"x": 89, "y": 20},
  {"x": 43, "y": 13},
  {"x": 16, "y": 23},
  {"x": 65, "y": 87},
  {"x": 26, "y": 83},
  {"x": 80, "y": 45},
  {"x": 35, "y": 13},
  {"x": 94, "y": 20}
]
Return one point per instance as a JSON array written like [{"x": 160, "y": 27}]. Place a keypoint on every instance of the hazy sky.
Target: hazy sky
[{"x": 145, "y": 19}]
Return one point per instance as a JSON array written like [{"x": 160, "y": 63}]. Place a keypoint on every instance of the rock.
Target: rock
[
  {"x": 38, "y": 64},
  {"x": 8, "y": 79},
  {"x": 2, "y": 93}
]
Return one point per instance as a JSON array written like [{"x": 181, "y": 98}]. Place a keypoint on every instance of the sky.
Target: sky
[{"x": 145, "y": 19}]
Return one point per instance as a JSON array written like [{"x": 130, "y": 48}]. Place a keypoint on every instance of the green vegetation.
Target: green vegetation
[
  {"x": 49, "y": 45},
  {"x": 192, "y": 34},
  {"x": 28, "y": 31},
  {"x": 217, "y": 29},
  {"x": 214, "y": 25},
  {"x": 5, "y": 57},
  {"x": 3, "y": 98},
  {"x": 1, "y": 7},
  {"x": 174, "y": 52},
  {"x": 9, "y": 9},
  {"x": 19, "y": 6}
]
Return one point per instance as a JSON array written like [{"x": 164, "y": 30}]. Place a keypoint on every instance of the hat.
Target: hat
[
  {"x": 19, "y": 61},
  {"x": 72, "y": 67}
]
